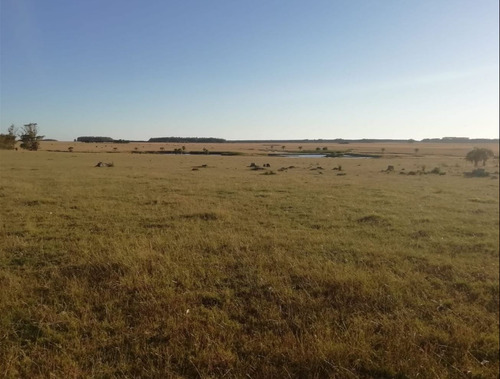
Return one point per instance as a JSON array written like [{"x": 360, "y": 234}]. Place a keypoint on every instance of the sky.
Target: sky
[{"x": 251, "y": 69}]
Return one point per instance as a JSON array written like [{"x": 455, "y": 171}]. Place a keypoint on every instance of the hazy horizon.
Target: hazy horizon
[
  {"x": 47, "y": 138},
  {"x": 251, "y": 70}
]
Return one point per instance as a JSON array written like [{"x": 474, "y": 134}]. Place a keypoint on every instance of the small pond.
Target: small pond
[
  {"x": 303, "y": 155},
  {"x": 345, "y": 156}
]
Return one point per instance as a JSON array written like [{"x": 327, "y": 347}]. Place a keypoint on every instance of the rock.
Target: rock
[{"x": 104, "y": 164}]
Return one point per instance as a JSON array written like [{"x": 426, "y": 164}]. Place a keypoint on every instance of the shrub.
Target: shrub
[
  {"x": 8, "y": 141},
  {"x": 477, "y": 173}
]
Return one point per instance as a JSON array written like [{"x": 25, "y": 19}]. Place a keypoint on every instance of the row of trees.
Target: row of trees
[{"x": 28, "y": 136}]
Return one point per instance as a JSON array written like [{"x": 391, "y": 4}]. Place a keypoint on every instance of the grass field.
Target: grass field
[{"x": 197, "y": 266}]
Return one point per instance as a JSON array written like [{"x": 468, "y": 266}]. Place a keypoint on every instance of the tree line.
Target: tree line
[{"x": 187, "y": 139}]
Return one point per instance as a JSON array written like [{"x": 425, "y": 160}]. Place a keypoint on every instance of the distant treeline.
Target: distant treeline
[
  {"x": 459, "y": 140},
  {"x": 94, "y": 139},
  {"x": 321, "y": 140},
  {"x": 100, "y": 139},
  {"x": 336, "y": 140},
  {"x": 372, "y": 140},
  {"x": 187, "y": 139}
]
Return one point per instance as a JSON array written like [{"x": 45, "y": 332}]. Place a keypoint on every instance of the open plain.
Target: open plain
[{"x": 202, "y": 266}]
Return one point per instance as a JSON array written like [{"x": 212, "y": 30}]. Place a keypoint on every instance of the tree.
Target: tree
[
  {"x": 479, "y": 154},
  {"x": 30, "y": 140},
  {"x": 12, "y": 130},
  {"x": 8, "y": 141}
]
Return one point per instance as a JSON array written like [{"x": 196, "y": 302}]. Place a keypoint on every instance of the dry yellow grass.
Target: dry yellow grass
[{"x": 198, "y": 266}]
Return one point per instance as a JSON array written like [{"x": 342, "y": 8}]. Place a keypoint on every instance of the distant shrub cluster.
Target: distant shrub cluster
[{"x": 187, "y": 139}]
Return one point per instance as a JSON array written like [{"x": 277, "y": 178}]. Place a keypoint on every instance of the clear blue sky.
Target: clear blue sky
[{"x": 251, "y": 69}]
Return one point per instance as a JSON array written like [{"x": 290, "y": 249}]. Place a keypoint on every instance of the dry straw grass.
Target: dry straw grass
[{"x": 151, "y": 269}]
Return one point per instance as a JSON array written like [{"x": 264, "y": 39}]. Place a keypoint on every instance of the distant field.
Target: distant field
[
  {"x": 404, "y": 149},
  {"x": 198, "y": 266}
]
